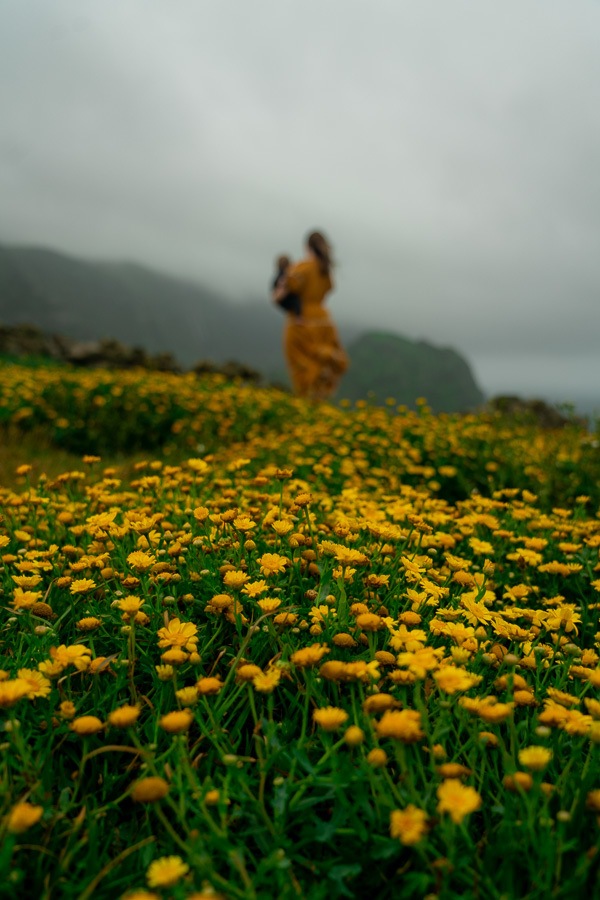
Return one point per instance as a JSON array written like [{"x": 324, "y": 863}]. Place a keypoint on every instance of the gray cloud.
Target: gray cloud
[{"x": 449, "y": 149}]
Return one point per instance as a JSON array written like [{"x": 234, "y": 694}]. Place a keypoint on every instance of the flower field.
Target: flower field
[{"x": 298, "y": 651}]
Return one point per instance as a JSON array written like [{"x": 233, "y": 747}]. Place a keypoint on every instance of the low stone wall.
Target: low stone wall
[{"x": 29, "y": 341}]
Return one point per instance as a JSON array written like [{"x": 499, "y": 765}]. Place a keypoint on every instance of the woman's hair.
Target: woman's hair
[
  {"x": 283, "y": 261},
  {"x": 320, "y": 247}
]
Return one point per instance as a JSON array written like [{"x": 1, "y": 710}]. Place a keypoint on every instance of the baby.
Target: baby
[{"x": 288, "y": 302}]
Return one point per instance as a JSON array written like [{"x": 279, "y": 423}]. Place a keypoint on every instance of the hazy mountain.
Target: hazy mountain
[
  {"x": 140, "y": 307},
  {"x": 393, "y": 366}
]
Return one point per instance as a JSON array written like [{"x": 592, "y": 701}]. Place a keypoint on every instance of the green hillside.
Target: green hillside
[{"x": 390, "y": 365}]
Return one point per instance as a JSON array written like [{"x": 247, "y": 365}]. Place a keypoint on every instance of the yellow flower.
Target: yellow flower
[
  {"x": 140, "y": 561},
  {"x": 354, "y": 736},
  {"x": 451, "y": 679},
  {"x": 421, "y": 661},
  {"x": 247, "y": 672},
  {"x": 24, "y": 599},
  {"x": 207, "y": 686},
  {"x": 27, "y": 581},
  {"x": 166, "y": 872},
  {"x": 67, "y": 709},
  {"x": 408, "y": 825},
  {"x": 198, "y": 466},
  {"x": 124, "y": 716},
  {"x": 38, "y": 685},
  {"x": 309, "y": 656},
  {"x": 563, "y": 618},
  {"x": 177, "y": 721},
  {"x": 255, "y": 588},
  {"x": 165, "y": 673},
  {"x": 282, "y": 526},
  {"x": 201, "y": 513},
  {"x": 179, "y": 634},
  {"x": 453, "y": 770},
  {"x": 330, "y": 718},
  {"x": 74, "y": 655},
  {"x": 377, "y": 758},
  {"x": 343, "y": 639},
  {"x": 518, "y": 781},
  {"x": 187, "y": 696},
  {"x": 244, "y": 523},
  {"x": 457, "y": 799},
  {"x": 272, "y": 564},
  {"x": 149, "y": 790},
  {"x": 369, "y": 622},
  {"x": 535, "y": 758},
  {"x": 285, "y": 619},
  {"x": 82, "y": 586},
  {"x": 175, "y": 656},
  {"x": 88, "y": 623},
  {"x": 22, "y": 816},
  {"x": 377, "y": 703},
  {"x": 269, "y": 604},
  {"x": 130, "y": 606},
  {"x": 400, "y": 725},
  {"x": 235, "y": 579},
  {"x": 593, "y": 800},
  {"x": 266, "y": 682},
  {"x": 13, "y": 690},
  {"x": 85, "y": 725}
]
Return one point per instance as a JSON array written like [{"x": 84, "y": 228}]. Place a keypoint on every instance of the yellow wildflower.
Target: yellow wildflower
[
  {"x": 166, "y": 872},
  {"x": 82, "y": 586},
  {"x": 23, "y": 816},
  {"x": 38, "y": 685},
  {"x": 409, "y": 825},
  {"x": 451, "y": 679},
  {"x": 124, "y": 716},
  {"x": 235, "y": 579},
  {"x": 309, "y": 656},
  {"x": 266, "y": 682},
  {"x": 354, "y": 736},
  {"x": 400, "y": 725},
  {"x": 85, "y": 725},
  {"x": 272, "y": 564},
  {"x": 535, "y": 758},
  {"x": 179, "y": 634},
  {"x": 177, "y": 721},
  {"x": 457, "y": 799},
  {"x": 149, "y": 790},
  {"x": 140, "y": 561},
  {"x": 206, "y": 686},
  {"x": 377, "y": 758},
  {"x": 330, "y": 718}
]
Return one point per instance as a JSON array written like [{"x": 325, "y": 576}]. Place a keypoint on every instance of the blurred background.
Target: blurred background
[{"x": 156, "y": 157}]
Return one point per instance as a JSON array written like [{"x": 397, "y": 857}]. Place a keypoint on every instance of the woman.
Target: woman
[{"x": 315, "y": 357}]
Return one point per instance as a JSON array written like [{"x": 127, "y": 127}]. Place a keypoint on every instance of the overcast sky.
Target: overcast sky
[{"x": 449, "y": 148}]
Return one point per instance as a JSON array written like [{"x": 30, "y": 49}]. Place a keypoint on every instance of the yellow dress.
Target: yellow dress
[{"x": 315, "y": 357}]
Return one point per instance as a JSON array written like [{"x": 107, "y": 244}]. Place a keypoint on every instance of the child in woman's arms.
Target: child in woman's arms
[{"x": 289, "y": 302}]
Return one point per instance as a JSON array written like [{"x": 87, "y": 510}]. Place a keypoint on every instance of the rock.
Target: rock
[{"x": 536, "y": 411}]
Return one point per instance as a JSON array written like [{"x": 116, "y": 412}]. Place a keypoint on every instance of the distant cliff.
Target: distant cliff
[
  {"x": 391, "y": 366},
  {"x": 141, "y": 308}
]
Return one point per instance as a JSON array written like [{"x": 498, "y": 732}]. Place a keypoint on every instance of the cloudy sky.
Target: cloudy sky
[{"x": 450, "y": 148}]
